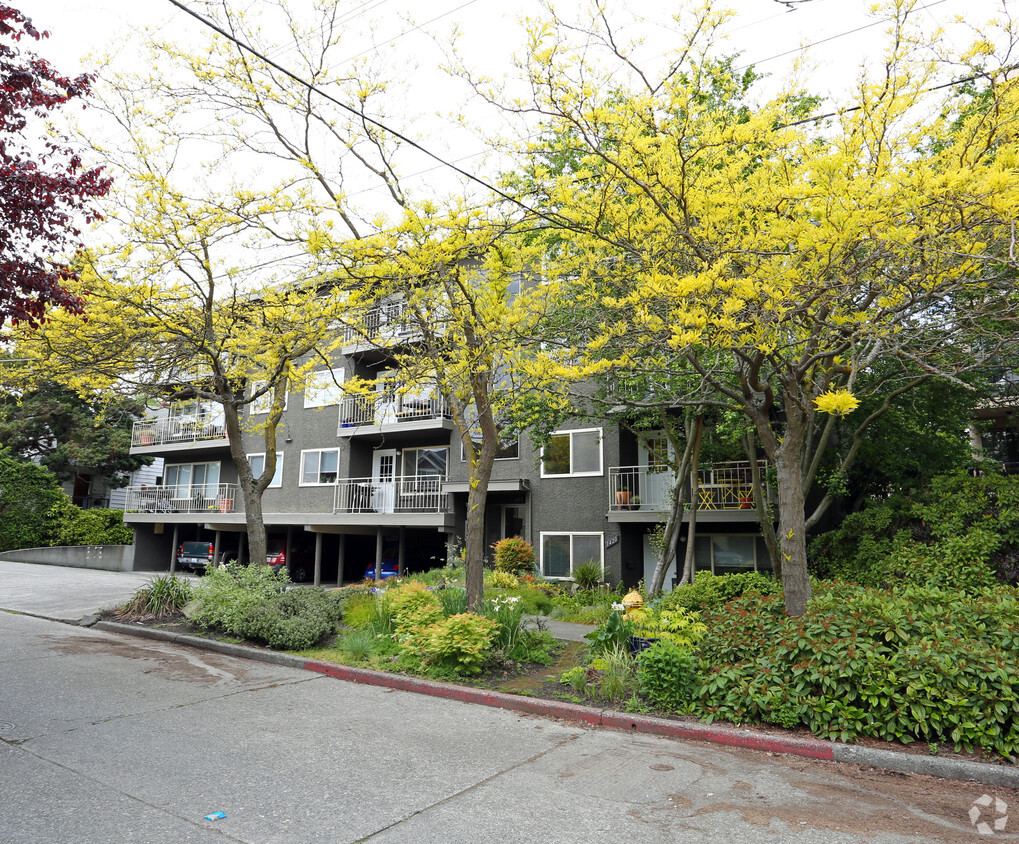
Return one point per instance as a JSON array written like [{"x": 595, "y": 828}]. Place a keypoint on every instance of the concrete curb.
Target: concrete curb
[{"x": 951, "y": 769}]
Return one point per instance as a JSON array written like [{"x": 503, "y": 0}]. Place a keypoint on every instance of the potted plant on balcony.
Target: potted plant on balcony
[
  {"x": 226, "y": 505},
  {"x": 146, "y": 436},
  {"x": 623, "y": 498},
  {"x": 746, "y": 500}
]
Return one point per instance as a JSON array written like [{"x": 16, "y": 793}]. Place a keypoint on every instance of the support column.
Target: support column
[
  {"x": 378, "y": 552},
  {"x": 318, "y": 559},
  {"x": 242, "y": 545},
  {"x": 287, "y": 546},
  {"x": 400, "y": 553},
  {"x": 173, "y": 550},
  {"x": 340, "y": 559},
  {"x": 215, "y": 550}
]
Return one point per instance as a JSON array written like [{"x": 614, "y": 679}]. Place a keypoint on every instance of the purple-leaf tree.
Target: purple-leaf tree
[{"x": 46, "y": 193}]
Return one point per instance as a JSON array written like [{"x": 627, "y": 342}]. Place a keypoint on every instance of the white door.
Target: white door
[
  {"x": 656, "y": 478},
  {"x": 384, "y": 480},
  {"x": 386, "y": 400}
]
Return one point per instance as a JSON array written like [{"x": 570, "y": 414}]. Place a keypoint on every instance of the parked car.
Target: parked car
[
  {"x": 390, "y": 568},
  {"x": 195, "y": 556},
  {"x": 301, "y": 562}
]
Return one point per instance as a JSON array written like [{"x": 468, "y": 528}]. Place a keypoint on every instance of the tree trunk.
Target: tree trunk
[
  {"x": 792, "y": 522},
  {"x": 691, "y": 534},
  {"x": 691, "y": 454}
]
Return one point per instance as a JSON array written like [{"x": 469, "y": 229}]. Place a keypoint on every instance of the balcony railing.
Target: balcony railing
[
  {"x": 210, "y": 499},
  {"x": 379, "y": 324},
  {"x": 391, "y": 410},
  {"x": 724, "y": 486},
  {"x": 402, "y": 494},
  {"x": 179, "y": 429}
]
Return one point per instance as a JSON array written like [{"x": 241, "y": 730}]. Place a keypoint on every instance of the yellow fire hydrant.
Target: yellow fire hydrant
[{"x": 632, "y": 602}]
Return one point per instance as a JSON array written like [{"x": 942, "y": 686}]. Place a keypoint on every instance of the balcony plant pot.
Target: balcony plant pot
[
  {"x": 225, "y": 505},
  {"x": 146, "y": 437},
  {"x": 623, "y": 499},
  {"x": 746, "y": 502}
]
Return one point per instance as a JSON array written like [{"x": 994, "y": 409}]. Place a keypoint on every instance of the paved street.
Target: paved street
[{"x": 108, "y": 738}]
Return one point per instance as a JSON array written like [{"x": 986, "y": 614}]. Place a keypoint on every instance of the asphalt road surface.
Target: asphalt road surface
[{"x": 110, "y": 738}]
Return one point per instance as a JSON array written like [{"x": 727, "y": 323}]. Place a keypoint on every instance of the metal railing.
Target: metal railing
[
  {"x": 724, "y": 486},
  {"x": 210, "y": 499},
  {"x": 390, "y": 410},
  {"x": 179, "y": 429},
  {"x": 401, "y": 494},
  {"x": 378, "y": 324}
]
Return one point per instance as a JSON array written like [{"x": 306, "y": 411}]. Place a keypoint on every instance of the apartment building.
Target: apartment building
[{"x": 361, "y": 479}]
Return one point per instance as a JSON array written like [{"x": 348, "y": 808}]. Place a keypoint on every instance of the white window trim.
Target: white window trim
[
  {"x": 463, "y": 452},
  {"x": 324, "y": 388},
  {"x": 319, "y": 451},
  {"x": 261, "y": 405},
  {"x": 279, "y": 468},
  {"x": 571, "y": 534},
  {"x": 601, "y": 454}
]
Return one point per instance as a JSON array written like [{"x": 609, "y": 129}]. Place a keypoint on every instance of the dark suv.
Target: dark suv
[{"x": 194, "y": 556}]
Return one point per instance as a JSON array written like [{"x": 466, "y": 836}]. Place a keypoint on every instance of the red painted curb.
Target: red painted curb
[
  {"x": 465, "y": 694},
  {"x": 812, "y": 748}
]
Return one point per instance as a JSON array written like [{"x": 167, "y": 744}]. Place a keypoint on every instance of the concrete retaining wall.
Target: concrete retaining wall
[{"x": 106, "y": 557}]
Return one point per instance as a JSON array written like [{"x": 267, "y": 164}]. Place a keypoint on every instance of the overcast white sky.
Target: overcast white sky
[{"x": 836, "y": 36}]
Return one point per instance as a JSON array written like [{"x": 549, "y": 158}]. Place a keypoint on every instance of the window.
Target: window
[
  {"x": 257, "y": 462},
  {"x": 561, "y": 552},
  {"x": 319, "y": 467},
  {"x": 264, "y": 402},
  {"x": 510, "y": 451},
  {"x": 572, "y": 454},
  {"x": 425, "y": 462},
  {"x": 731, "y": 553},
  {"x": 189, "y": 479},
  {"x": 324, "y": 388}
]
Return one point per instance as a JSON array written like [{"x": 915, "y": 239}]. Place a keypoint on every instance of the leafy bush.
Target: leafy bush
[
  {"x": 668, "y": 675},
  {"x": 357, "y": 645},
  {"x": 905, "y": 664},
  {"x": 97, "y": 526},
  {"x": 962, "y": 531},
  {"x": 587, "y": 575},
  {"x": 292, "y": 620},
  {"x": 162, "y": 596},
  {"x": 460, "y": 643},
  {"x": 614, "y": 674},
  {"x": 501, "y": 580},
  {"x": 680, "y": 626},
  {"x": 514, "y": 555},
  {"x": 29, "y": 500},
  {"x": 412, "y": 606},
  {"x": 224, "y": 595},
  {"x": 508, "y": 614},
  {"x": 710, "y": 591},
  {"x": 615, "y": 632}
]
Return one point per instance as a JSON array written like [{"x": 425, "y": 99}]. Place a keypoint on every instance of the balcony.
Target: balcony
[
  {"x": 403, "y": 494},
  {"x": 724, "y": 486},
  {"x": 190, "y": 428},
  {"x": 391, "y": 410},
  {"x": 208, "y": 499},
  {"x": 380, "y": 326}
]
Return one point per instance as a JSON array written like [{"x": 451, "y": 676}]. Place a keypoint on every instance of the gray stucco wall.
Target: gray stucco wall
[{"x": 106, "y": 557}]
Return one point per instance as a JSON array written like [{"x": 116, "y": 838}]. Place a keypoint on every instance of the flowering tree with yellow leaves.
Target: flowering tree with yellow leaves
[{"x": 774, "y": 252}]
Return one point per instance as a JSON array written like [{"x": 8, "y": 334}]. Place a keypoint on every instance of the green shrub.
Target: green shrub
[
  {"x": 914, "y": 663},
  {"x": 291, "y": 621},
  {"x": 587, "y": 575},
  {"x": 682, "y": 627},
  {"x": 501, "y": 580},
  {"x": 514, "y": 555},
  {"x": 412, "y": 606},
  {"x": 614, "y": 633},
  {"x": 616, "y": 674},
  {"x": 357, "y": 645},
  {"x": 460, "y": 644},
  {"x": 668, "y": 675},
  {"x": 97, "y": 526},
  {"x": 162, "y": 596},
  {"x": 225, "y": 593},
  {"x": 709, "y": 590},
  {"x": 30, "y": 503}
]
